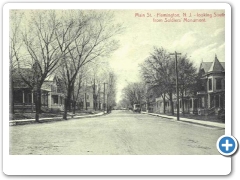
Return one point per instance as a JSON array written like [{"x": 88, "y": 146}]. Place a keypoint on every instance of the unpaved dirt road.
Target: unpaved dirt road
[{"x": 119, "y": 133}]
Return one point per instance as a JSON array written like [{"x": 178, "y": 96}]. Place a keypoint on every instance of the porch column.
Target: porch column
[
  {"x": 23, "y": 97},
  {"x": 43, "y": 95},
  {"x": 192, "y": 103},
  {"x": 50, "y": 100},
  {"x": 59, "y": 100},
  {"x": 219, "y": 96},
  {"x": 209, "y": 101},
  {"x": 47, "y": 98},
  {"x": 32, "y": 96},
  {"x": 215, "y": 101},
  {"x": 32, "y": 99}
]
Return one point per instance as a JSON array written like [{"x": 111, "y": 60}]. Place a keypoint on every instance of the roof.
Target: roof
[
  {"x": 205, "y": 66},
  {"x": 29, "y": 75},
  {"x": 50, "y": 77},
  {"x": 223, "y": 64},
  {"x": 17, "y": 77},
  {"x": 214, "y": 66}
]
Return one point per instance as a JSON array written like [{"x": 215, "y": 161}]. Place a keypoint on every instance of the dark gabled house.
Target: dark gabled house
[
  {"x": 211, "y": 96},
  {"x": 52, "y": 96}
]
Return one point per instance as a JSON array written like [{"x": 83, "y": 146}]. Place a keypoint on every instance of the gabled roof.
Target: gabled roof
[
  {"x": 216, "y": 66},
  {"x": 205, "y": 66},
  {"x": 28, "y": 74},
  {"x": 223, "y": 64},
  {"x": 17, "y": 77},
  {"x": 50, "y": 77}
]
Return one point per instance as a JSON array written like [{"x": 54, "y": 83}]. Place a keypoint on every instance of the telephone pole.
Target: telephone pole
[{"x": 177, "y": 89}]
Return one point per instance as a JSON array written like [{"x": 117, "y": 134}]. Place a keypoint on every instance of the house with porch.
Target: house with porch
[
  {"x": 209, "y": 98},
  {"x": 211, "y": 95},
  {"x": 52, "y": 97}
]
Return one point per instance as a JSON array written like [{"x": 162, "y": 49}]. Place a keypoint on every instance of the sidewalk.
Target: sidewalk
[
  {"x": 28, "y": 121},
  {"x": 187, "y": 120}
]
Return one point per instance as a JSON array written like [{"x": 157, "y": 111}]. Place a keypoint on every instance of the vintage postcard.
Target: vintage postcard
[{"x": 136, "y": 87}]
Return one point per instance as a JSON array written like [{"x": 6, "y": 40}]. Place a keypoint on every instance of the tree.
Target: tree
[
  {"x": 135, "y": 93},
  {"x": 111, "y": 91},
  {"x": 124, "y": 103},
  {"x": 158, "y": 71},
  {"x": 187, "y": 76},
  {"x": 40, "y": 53},
  {"x": 94, "y": 39},
  {"x": 82, "y": 75},
  {"x": 15, "y": 45}
]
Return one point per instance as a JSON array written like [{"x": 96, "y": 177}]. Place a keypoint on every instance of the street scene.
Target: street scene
[
  {"x": 120, "y": 133},
  {"x": 116, "y": 82}
]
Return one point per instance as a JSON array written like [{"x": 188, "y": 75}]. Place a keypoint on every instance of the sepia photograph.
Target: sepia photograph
[{"x": 116, "y": 81}]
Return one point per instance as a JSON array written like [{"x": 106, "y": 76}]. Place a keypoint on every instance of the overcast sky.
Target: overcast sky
[{"x": 200, "y": 40}]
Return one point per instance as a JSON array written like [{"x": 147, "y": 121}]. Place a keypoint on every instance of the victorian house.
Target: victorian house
[{"x": 211, "y": 96}]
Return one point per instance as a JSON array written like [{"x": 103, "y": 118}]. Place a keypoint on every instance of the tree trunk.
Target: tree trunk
[
  {"x": 37, "y": 104},
  {"x": 164, "y": 104},
  {"x": 11, "y": 98},
  {"x": 182, "y": 105},
  {"x": 65, "y": 109},
  {"x": 86, "y": 101},
  {"x": 95, "y": 104},
  {"x": 67, "y": 102},
  {"x": 171, "y": 102},
  {"x": 40, "y": 103},
  {"x": 74, "y": 106},
  {"x": 99, "y": 104}
]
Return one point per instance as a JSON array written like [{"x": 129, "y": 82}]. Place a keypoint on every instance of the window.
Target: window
[
  {"x": 55, "y": 99},
  {"x": 209, "y": 84},
  {"x": 88, "y": 104},
  {"x": 87, "y": 96},
  {"x": 190, "y": 103},
  {"x": 218, "y": 84}
]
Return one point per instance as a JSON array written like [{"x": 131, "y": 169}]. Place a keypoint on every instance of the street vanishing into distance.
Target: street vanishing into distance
[{"x": 122, "y": 132}]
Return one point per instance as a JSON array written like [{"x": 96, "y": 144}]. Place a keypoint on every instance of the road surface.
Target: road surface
[{"x": 119, "y": 133}]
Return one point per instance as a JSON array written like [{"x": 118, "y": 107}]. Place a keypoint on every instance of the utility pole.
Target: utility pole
[{"x": 177, "y": 89}]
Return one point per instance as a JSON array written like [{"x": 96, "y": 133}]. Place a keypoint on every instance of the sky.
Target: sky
[{"x": 201, "y": 41}]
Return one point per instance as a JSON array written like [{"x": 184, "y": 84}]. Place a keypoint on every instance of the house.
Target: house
[
  {"x": 23, "y": 96},
  {"x": 211, "y": 95},
  {"x": 86, "y": 100},
  {"x": 208, "y": 99}
]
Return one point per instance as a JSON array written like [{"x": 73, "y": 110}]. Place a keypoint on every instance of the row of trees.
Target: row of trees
[
  {"x": 61, "y": 42},
  {"x": 159, "y": 78},
  {"x": 100, "y": 82},
  {"x": 133, "y": 93}
]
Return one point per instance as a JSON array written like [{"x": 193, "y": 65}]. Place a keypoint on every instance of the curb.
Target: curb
[
  {"x": 29, "y": 121},
  {"x": 191, "y": 121}
]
